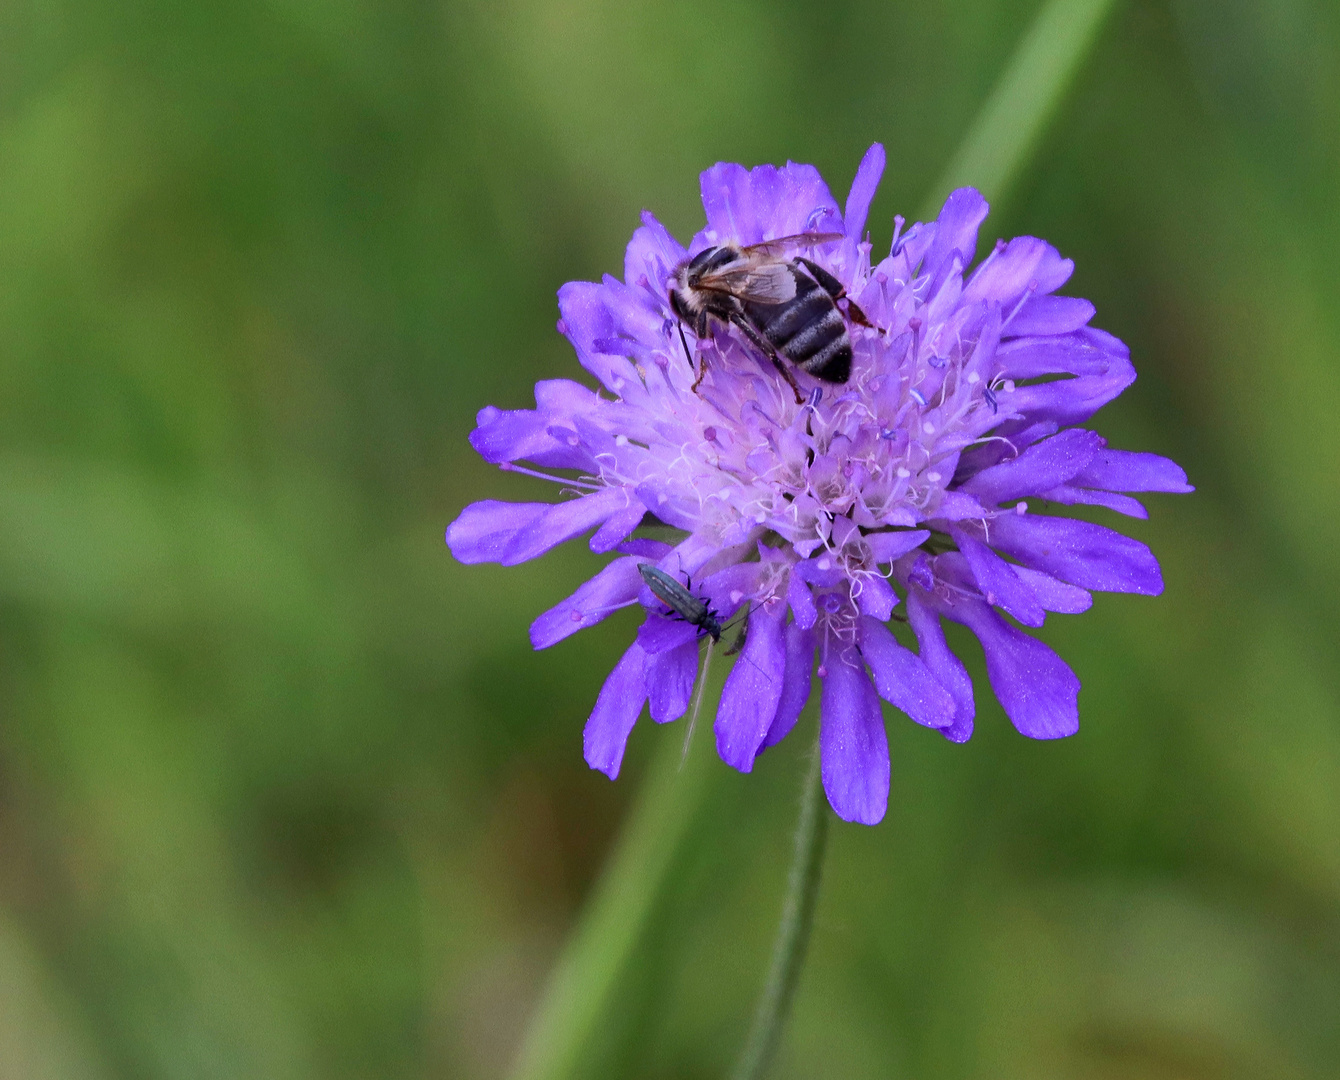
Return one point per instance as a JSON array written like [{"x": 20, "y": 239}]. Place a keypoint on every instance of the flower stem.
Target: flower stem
[{"x": 793, "y": 935}]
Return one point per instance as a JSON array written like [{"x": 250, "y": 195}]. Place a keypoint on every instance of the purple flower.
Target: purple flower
[{"x": 911, "y": 481}]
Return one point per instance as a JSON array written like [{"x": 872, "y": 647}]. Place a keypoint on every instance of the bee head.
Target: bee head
[{"x": 681, "y": 295}]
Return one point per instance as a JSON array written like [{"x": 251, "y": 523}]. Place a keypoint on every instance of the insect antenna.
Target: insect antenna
[{"x": 685, "y": 342}]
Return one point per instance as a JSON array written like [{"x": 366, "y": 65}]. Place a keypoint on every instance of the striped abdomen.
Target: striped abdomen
[{"x": 808, "y": 330}]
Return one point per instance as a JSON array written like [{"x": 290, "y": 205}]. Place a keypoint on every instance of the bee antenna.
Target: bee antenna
[{"x": 685, "y": 342}]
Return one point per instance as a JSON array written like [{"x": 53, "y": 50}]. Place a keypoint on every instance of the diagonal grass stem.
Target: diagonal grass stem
[{"x": 1010, "y": 125}]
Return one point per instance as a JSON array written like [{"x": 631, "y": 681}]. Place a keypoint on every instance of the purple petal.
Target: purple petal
[
  {"x": 727, "y": 589},
  {"x": 676, "y": 512},
  {"x": 863, "y": 190},
  {"x": 655, "y": 550},
  {"x": 822, "y": 571},
  {"x": 947, "y": 668},
  {"x": 1072, "y": 354},
  {"x": 958, "y": 506},
  {"x": 877, "y": 598},
  {"x": 1024, "y": 263},
  {"x": 1052, "y": 594},
  {"x": 523, "y": 434},
  {"x": 1072, "y": 401},
  {"x": 1042, "y": 466},
  {"x": 902, "y": 679},
  {"x": 728, "y": 201},
  {"x": 800, "y": 598},
  {"x": 652, "y": 253},
  {"x": 1067, "y": 495},
  {"x": 563, "y": 397},
  {"x": 1084, "y": 554},
  {"x": 657, "y": 634},
  {"x": 1049, "y": 315},
  {"x": 751, "y": 205},
  {"x": 854, "y": 747},
  {"x": 562, "y": 521},
  {"x": 998, "y": 582},
  {"x": 753, "y": 689},
  {"x": 586, "y": 314},
  {"x": 669, "y": 677},
  {"x": 956, "y": 228},
  {"x": 616, "y": 712},
  {"x": 1038, "y": 691},
  {"x": 618, "y": 525},
  {"x": 612, "y": 588},
  {"x": 485, "y": 529},
  {"x": 796, "y": 682},
  {"x": 887, "y": 546},
  {"x": 1122, "y": 470}
]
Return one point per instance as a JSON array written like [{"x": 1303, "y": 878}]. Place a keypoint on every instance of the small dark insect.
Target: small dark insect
[
  {"x": 679, "y": 600},
  {"x": 786, "y": 307}
]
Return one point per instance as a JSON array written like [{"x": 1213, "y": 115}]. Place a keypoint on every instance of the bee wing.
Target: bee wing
[
  {"x": 784, "y": 243},
  {"x": 758, "y": 282}
]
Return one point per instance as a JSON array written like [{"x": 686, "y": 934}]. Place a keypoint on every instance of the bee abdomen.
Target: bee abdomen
[
  {"x": 780, "y": 323},
  {"x": 832, "y": 363},
  {"x": 815, "y": 336},
  {"x": 809, "y": 331}
]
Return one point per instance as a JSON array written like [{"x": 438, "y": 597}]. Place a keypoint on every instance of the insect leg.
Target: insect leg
[
  {"x": 702, "y": 370},
  {"x": 700, "y": 331},
  {"x": 857, "y": 315},
  {"x": 831, "y": 285},
  {"x": 836, "y": 290},
  {"x": 738, "y": 643},
  {"x": 767, "y": 349}
]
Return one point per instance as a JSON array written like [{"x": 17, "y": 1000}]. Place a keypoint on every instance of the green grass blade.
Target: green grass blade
[
  {"x": 611, "y": 924},
  {"x": 1031, "y": 88}
]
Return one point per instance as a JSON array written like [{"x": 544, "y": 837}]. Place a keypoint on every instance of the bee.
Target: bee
[
  {"x": 785, "y": 307},
  {"x": 679, "y": 600}
]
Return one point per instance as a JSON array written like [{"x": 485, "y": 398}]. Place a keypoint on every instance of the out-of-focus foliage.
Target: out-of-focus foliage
[{"x": 284, "y": 793}]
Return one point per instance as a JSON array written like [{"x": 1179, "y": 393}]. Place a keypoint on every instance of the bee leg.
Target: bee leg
[
  {"x": 837, "y": 291},
  {"x": 857, "y": 315},
  {"x": 702, "y": 369},
  {"x": 831, "y": 285},
  {"x": 700, "y": 330},
  {"x": 766, "y": 347}
]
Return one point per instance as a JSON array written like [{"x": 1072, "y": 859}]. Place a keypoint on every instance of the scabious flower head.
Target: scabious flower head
[{"x": 910, "y": 483}]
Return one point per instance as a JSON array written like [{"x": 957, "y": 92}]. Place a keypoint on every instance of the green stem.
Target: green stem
[
  {"x": 612, "y": 920},
  {"x": 1011, "y": 123},
  {"x": 793, "y": 935}
]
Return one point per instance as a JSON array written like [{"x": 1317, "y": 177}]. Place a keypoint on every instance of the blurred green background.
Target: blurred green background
[{"x": 284, "y": 793}]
